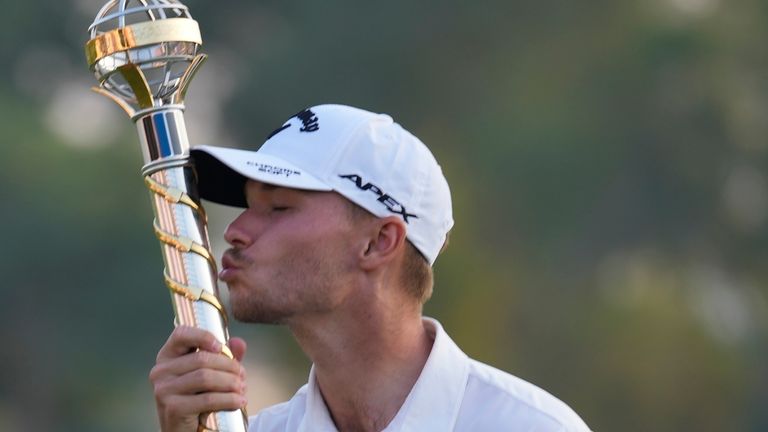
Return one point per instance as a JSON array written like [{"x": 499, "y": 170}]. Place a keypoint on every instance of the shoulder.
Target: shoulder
[
  {"x": 497, "y": 400},
  {"x": 275, "y": 418}
]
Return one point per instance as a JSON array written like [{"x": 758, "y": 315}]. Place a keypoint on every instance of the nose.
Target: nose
[{"x": 237, "y": 233}]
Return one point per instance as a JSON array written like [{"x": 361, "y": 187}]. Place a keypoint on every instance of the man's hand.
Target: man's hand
[{"x": 191, "y": 376}]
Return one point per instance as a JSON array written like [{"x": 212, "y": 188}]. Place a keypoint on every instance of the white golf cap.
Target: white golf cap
[{"x": 366, "y": 157}]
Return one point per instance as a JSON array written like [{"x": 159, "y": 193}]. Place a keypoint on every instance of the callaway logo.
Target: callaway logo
[
  {"x": 308, "y": 119},
  {"x": 392, "y": 204}
]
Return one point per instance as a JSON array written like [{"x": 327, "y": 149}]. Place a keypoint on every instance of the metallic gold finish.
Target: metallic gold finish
[
  {"x": 227, "y": 352},
  {"x": 116, "y": 99},
  {"x": 184, "y": 244},
  {"x": 171, "y": 194},
  {"x": 193, "y": 293},
  {"x": 142, "y": 34},
  {"x": 135, "y": 78},
  {"x": 214, "y": 301}
]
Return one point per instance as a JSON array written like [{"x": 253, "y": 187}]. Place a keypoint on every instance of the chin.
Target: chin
[{"x": 257, "y": 314}]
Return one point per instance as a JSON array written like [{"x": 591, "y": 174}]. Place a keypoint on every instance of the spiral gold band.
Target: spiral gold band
[
  {"x": 171, "y": 194},
  {"x": 184, "y": 244},
  {"x": 193, "y": 293},
  {"x": 187, "y": 245}
]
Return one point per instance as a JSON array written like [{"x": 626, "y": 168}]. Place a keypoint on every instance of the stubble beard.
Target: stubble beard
[{"x": 301, "y": 284}]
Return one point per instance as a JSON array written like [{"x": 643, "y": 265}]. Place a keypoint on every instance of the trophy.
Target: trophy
[{"x": 144, "y": 54}]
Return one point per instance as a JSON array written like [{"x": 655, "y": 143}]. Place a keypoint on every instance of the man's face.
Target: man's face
[{"x": 292, "y": 254}]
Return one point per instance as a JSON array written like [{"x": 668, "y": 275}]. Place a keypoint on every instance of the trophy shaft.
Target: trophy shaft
[{"x": 190, "y": 271}]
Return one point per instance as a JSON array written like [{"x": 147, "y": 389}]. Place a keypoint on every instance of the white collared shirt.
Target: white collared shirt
[{"x": 453, "y": 393}]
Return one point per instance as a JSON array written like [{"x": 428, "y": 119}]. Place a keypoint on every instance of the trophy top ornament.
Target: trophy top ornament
[{"x": 144, "y": 53}]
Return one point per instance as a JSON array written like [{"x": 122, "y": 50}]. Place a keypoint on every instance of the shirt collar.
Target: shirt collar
[
  {"x": 434, "y": 401},
  {"x": 432, "y": 404},
  {"x": 316, "y": 415}
]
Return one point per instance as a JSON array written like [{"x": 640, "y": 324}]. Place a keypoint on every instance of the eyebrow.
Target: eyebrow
[{"x": 265, "y": 188}]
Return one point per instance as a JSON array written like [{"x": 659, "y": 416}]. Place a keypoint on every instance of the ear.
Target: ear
[{"x": 386, "y": 243}]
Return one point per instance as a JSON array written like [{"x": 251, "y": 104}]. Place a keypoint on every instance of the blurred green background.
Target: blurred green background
[{"x": 608, "y": 162}]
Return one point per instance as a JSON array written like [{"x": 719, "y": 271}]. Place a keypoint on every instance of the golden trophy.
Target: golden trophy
[{"x": 144, "y": 54}]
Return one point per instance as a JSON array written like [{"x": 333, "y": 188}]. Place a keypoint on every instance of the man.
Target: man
[{"x": 345, "y": 213}]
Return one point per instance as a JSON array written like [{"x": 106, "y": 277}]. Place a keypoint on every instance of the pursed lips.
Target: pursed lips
[{"x": 229, "y": 266}]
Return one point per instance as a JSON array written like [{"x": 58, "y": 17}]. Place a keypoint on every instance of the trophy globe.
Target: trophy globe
[{"x": 144, "y": 53}]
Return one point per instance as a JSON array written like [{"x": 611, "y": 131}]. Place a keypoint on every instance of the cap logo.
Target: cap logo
[
  {"x": 390, "y": 203},
  {"x": 271, "y": 169},
  {"x": 308, "y": 120},
  {"x": 309, "y": 123}
]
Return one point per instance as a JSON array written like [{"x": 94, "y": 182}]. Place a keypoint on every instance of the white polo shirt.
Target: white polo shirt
[{"x": 453, "y": 393}]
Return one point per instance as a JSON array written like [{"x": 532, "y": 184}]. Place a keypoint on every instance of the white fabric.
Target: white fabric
[
  {"x": 453, "y": 393},
  {"x": 366, "y": 157}
]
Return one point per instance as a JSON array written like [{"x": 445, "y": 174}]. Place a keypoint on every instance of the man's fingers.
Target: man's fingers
[
  {"x": 178, "y": 406},
  {"x": 185, "y": 339},
  {"x": 238, "y": 347},
  {"x": 193, "y": 376},
  {"x": 200, "y": 381},
  {"x": 194, "y": 361}
]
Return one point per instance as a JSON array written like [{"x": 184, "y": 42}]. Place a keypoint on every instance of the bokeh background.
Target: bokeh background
[{"x": 608, "y": 162}]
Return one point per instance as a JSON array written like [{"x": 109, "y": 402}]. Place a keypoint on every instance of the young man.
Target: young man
[{"x": 345, "y": 213}]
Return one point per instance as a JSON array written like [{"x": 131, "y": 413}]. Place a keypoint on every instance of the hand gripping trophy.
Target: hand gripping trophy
[{"x": 144, "y": 54}]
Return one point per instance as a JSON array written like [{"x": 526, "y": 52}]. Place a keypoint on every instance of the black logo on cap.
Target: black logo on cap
[
  {"x": 390, "y": 203},
  {"x": 309, "y": 123}
]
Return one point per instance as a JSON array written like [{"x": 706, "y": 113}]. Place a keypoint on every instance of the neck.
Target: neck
[{"x": 366, "y": 361}]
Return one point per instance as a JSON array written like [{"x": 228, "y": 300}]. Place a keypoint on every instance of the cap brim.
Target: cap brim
[{"x": 222, "y": 173}]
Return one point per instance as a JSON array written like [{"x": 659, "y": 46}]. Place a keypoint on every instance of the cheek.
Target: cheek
[
  {"x": 296, "y": 239},
  {"x": 321, "y": 253},
  {"x": 317, "y": 230}
]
